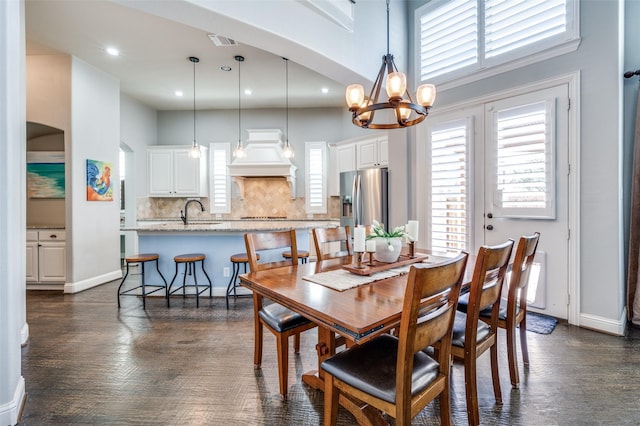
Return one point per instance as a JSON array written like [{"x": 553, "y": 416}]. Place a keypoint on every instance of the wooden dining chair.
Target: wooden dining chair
[
  {"x": 472, "y": 337},
  {"x": 279, "y": 320},
  {"x": 513, "y": 311},
  {"x": 323, "y": 237},
  {"x": 394, "y": 374}
]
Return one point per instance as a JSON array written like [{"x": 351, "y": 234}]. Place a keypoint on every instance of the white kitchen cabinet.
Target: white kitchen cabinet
[
  {"x": 343, "y": 159},
  {"x": 373, "y": 153},
  {"x": 46, "y": 257},
  {"x": 173, "y": 173}
]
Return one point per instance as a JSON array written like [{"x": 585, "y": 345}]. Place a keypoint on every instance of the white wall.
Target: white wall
[
  {"x": 305, "y": 125},
  {"x": 308, "y": 38},
  {"x": 13, "y": 326},
  {"x": 597, "y": 60},
  {"x": 138, "y": 129},
  {"x": 93, "y": 227}
]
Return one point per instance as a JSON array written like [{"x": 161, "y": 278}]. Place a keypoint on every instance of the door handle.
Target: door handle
[
  {"x": 489, "y": 215},
  {"x": 489, "y": 227}
]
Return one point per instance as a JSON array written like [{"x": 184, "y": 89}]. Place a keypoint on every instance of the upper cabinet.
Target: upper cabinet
[
  {"x": 373, "y": 153},
  {"x": 173, "y": 173},
  {"x": 354, "y": 154}
]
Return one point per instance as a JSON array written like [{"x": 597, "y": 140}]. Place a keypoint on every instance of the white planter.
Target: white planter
[{"x": 388, "y": 249}]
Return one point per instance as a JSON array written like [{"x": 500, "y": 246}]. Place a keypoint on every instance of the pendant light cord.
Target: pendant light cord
[
  {"x": 286, "y": 61},
  {"x": 194, "y": 103},
  {"x": 388, "y": 50}
]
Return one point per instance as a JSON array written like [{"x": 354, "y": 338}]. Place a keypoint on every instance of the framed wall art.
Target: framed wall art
[
  {"x": 45, "y": 174},
  {"x": 99, "y": 185}
]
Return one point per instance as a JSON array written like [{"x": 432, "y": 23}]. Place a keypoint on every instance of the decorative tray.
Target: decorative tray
[{"x": 369, "y": 269}]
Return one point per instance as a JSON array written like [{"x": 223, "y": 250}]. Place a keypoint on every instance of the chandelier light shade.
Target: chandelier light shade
[
  {"x": 287, "y": 151},
  {"x": 406, "y": 112},
  {"x": 195, "y": 148},
  {"x": 239, "y": 151}
]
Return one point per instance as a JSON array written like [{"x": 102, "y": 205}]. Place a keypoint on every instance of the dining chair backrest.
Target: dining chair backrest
[
  {"x": 428, "y": 313},
  {"x": 488, "y": 277},
  {"x": 520, "y": 271},
  {"x": 322, "y": 237},
  {"x": 274, "y": 240}
]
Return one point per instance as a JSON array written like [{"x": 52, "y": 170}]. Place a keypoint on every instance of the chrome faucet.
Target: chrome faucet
[{"x": 183, "y": 214}]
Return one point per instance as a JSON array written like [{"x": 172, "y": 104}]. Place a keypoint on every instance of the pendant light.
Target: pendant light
[
  {"x": 195, "y": 148},
  {"x": 288, "y": 151},
  {"x": 239, "y": 152},
  {"x": 364, "y": 108}
]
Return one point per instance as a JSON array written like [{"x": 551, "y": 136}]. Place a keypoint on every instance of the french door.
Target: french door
[{"x": 499, "y": 170}]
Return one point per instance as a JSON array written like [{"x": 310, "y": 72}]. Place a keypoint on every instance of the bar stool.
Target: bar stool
[
  {"x": 189, "y": 262},
  {"x": 303, "y": 255},
  {"x": 141, "y": 259},
  {"x": 236, "y": 260}
]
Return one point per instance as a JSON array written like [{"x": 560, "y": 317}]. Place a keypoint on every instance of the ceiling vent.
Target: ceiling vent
[{"x": 222, "y": 41}]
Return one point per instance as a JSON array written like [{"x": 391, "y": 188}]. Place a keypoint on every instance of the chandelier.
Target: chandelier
[
  {"x": 195, "y": 148},
  {"x": 239, "y": 151},
  {"x": 405, "y": 112}
]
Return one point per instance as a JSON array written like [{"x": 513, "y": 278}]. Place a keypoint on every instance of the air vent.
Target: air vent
[{"x": 222, "y": 41}]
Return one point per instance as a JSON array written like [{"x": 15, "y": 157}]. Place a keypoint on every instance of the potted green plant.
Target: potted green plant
[{"x": 388, "y": 243}]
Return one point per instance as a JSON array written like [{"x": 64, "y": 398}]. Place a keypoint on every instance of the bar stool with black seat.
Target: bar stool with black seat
[
  {"x": 189, "y": 261},
  {"x": 141, "y": 259},
  {"x": 303, "y": 255},
  {"x": 236, "y": 261}
]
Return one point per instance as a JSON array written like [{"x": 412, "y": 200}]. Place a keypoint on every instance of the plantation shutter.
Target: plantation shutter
[
  {"x": 219, "y": 183},
  {"x": 316, "y": 185}
]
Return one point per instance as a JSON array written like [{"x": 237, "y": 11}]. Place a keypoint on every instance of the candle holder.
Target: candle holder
[
  {"x": 412, "y": 249},
  {"x": 371, "y": 257},
  {"x": 359, "y": 256}
]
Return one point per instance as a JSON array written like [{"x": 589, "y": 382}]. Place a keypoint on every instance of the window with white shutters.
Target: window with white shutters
[
  {"x": 457, "y": 38},
  {"x": 449, "y": 230},
  {"x": 316, "y": 182},
  {"x": 219, "y": 182},
  {"x": 522, "y": 150}
]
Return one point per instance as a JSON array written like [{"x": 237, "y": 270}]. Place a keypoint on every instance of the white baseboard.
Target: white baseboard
[
  {"x": 92, "y": 282},
  {"x": 606, "y": 325},
  {"x": 10, "y": 411}
]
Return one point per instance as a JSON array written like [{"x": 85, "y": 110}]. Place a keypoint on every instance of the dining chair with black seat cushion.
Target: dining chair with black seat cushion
[
  {"x": 279, "y": 320},
  {"x": 394, "y": 374},
  {"x": 472, "y": 337},
  {"x": 322, "y": 237},
  {"x": 513, "y": 309}
]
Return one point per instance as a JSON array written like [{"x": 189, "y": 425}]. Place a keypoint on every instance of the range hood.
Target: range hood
[{"x": 265, "y": 158}]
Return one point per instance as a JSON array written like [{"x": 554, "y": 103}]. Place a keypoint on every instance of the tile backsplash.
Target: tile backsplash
[{"x": 263, "y": 197}]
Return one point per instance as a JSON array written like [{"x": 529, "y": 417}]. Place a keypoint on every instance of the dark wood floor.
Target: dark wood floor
[{"x": 87, "y": 362}]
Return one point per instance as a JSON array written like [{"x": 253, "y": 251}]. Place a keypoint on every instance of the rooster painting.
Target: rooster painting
[{"x": 99, "y": 186}]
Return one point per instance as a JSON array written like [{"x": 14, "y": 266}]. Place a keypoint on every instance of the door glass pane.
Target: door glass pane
[{"x": 449, "y": 187}]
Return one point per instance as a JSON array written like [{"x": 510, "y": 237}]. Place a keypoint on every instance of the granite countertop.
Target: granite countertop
[
  {"x": 229, "y": 225},
  {"x": 38, "y": 227}
]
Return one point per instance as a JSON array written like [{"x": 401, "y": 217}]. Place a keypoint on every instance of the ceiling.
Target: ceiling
[{"x": 154, "y": 59}]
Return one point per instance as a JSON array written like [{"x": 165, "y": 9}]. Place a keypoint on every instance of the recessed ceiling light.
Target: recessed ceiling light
[
  {"x": 247, "y": 91},
  {"x": 226, "y": 68},
  {"x": 325, "y": 90},
  {"x": 179, "y": 93},
  {"x": 113, "y": 51}
]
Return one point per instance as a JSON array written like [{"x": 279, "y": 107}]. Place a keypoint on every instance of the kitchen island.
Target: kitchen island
[{"x": 217, "y": 240}]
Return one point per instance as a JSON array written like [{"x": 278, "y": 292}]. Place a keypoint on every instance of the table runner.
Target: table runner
[{"x": 341, "y": 279}]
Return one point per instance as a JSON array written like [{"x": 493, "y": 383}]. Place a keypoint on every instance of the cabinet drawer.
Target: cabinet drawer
[
  {"x": 51, "y": 235},
  {"x": 32, "y": 235}
]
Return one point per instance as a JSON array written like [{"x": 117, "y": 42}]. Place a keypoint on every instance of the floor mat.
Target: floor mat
[{"x": 541, "y": 324}]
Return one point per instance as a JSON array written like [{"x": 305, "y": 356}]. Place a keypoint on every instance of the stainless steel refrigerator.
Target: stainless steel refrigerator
[{"x": 364, "y": 197}]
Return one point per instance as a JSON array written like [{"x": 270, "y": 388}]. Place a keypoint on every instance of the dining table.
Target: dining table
[{"x": 352, "y": 313}]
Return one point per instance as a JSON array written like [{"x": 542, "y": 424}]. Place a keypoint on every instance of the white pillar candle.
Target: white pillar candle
[
  {"x": 358, "y": 239},
  {"x": 412, "y": 230},
  {"x": 371, "y": 246}
]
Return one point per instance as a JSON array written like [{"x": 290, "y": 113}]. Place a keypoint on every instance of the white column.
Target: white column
[{"x": 13, "y": 326}]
